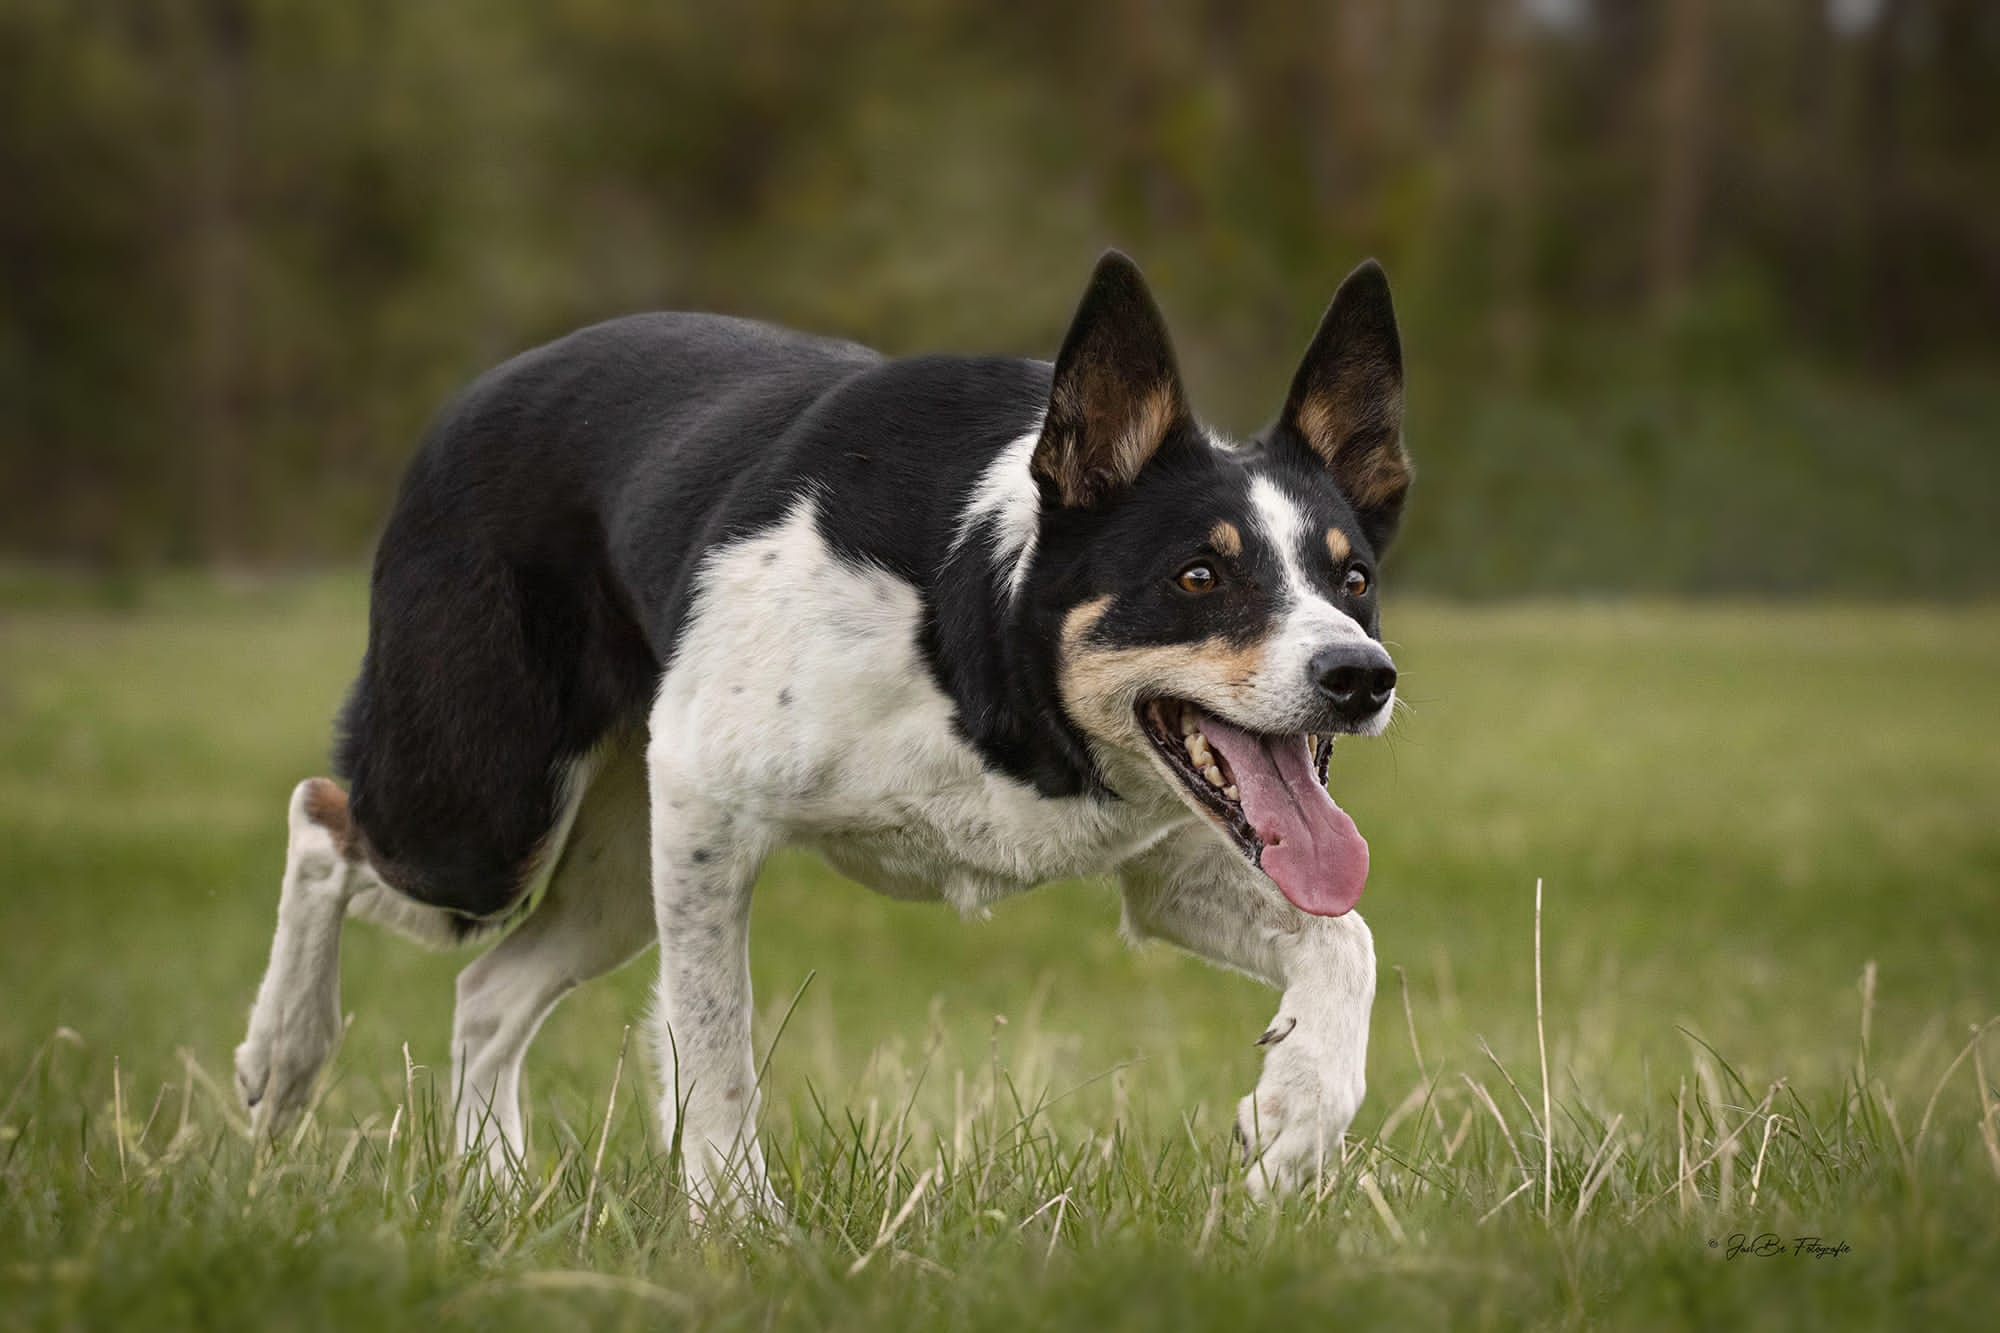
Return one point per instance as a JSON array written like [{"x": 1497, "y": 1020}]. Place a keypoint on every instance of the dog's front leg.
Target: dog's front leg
[
  {"x": 1316, "y": 1056},
  {"x": 705, "y": 860},
  {"x": 1207, "y": 900}
]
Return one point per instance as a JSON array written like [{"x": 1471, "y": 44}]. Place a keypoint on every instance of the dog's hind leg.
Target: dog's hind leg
[
  {"x": 595, "y": 914},
  {"x": 296, "y": 1019}
]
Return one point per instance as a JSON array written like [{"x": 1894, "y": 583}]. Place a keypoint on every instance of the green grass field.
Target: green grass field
[{"x": 1771, "y": 860}]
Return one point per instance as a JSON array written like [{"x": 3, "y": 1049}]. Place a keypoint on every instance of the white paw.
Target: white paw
[
  {"x": 497, "y": 1153},
  {"x": 278, "y": 1062},
  {"x": 736, "y": 1187},
  {"x": 1290, "y": 1128}
]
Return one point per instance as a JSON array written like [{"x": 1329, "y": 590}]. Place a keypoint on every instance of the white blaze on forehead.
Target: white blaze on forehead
[
  {"x": 1006, "y": 497},
  {"x": 1307, "y": 621},
  {"x": 1283, "y": 524}
]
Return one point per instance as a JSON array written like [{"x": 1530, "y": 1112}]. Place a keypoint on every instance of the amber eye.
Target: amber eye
[
  {"x": 1356, "y": 583},
  {"x": 1196, "y": 578}
]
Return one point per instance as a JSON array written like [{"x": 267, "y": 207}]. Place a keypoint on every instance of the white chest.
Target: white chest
[{"x": 798, "y": 694}]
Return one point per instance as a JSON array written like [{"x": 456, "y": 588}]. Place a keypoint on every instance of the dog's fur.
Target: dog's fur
[{"x": 677, "y": 589}]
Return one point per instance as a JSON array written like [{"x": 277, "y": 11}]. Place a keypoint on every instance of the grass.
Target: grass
[{"x": 1769, "y": 860}]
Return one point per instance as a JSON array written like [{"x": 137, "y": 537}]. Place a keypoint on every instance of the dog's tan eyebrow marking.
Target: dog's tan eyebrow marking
[
  {"x": 1338, "y": 545},
  {"x": 1225, "y": 538}
]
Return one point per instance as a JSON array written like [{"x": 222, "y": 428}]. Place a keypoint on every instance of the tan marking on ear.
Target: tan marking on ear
[
  {"x": 1082, "y": 479},
  {"x": 326, "y": 806},
  {"x": 1337, "y": 545},
  {"x": 1327, "y": 420},
  {"x": 1225, "y": 538},
  {"x": 1137, "y": 438},
  {"x": 1146, "y": 431},
  {"x": 1385, "y": 477}
]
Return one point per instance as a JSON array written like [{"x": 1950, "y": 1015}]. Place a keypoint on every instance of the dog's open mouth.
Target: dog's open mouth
[{"x": 1268, "y": 792}]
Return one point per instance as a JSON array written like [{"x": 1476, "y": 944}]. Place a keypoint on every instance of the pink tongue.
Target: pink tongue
[{"x": 1311, "y": 848}]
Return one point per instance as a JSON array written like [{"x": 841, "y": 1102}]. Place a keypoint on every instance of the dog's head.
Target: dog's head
[{"x": 1214, "y": 603}]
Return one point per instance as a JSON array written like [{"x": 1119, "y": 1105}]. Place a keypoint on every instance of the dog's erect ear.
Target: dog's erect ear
[
  {"x": 1346, "y": 403},
  {"x": 1117, "y": 392}
]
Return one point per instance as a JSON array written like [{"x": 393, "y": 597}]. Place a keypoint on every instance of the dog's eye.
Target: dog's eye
[
  {"x": 1356, "y": 583},
  {"x": 1197, "y": 577}
]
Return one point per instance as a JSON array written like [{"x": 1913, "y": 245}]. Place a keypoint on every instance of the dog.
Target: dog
[{"x": 677, "y": 589}]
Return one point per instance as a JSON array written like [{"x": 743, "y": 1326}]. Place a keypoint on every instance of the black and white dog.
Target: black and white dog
[{"x": 962, "y": 624}]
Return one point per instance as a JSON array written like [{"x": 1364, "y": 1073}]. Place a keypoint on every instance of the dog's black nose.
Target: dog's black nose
[{"x": 1356, "y": 678}]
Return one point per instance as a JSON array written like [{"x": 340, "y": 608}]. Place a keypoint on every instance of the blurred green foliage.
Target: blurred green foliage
[{"x": 1697, "y": 296}]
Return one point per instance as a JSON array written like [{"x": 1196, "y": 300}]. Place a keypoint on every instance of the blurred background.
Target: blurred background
[
  {"x": 1699, "y": 297},
  {"x": 1695, "y": 611}
]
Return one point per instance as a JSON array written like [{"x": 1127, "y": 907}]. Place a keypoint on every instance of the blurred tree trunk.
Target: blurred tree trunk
[
  {"x": 1457, "y": 31},
  {"x": 1514, "y": 167},
  {"x": 1812, "y": 149},
  {"x": 1147, "y": 92},
  {"x": 1878, "y": 180},
  {"x": 1965, "y": 81},
  {"x": 1677, "y": 202},
  {"x": 222, "y": 43},
  {"x": 1346, "y": 155}
]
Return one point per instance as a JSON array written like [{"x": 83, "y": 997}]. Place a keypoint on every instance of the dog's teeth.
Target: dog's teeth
[
  {"x": 1231, "y": 792},
  {"x": 1213, "y": 774},
  {"x": 1187, "y": 722}
]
